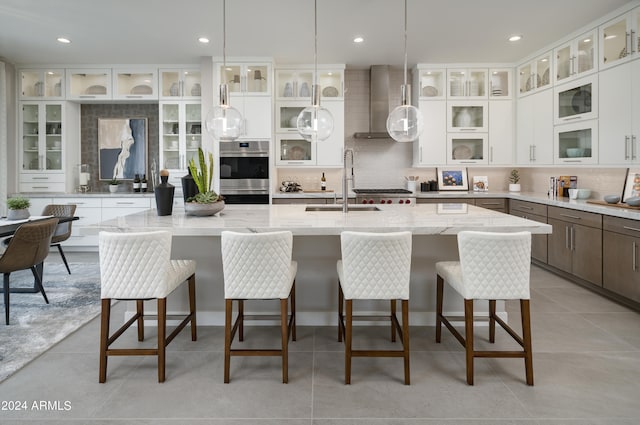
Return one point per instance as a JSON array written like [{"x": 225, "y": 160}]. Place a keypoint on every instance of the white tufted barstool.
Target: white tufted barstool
[
  {"x": 138, "y": 266},
  {"x": 258, "y": 266},
  {"x": 492, "y": 266},
  {"x": 374, "y": 266}
]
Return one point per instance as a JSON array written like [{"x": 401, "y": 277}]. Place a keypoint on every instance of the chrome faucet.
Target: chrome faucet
[{"x": 348, "y": 153}]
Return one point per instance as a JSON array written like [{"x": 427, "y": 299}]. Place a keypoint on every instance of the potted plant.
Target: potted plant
[
  {"x": 206, "y": 201},
  {"x": 514, "y": 178},
  {"x": 18, "y": 208},
  {"x": 113, "y": 185}
]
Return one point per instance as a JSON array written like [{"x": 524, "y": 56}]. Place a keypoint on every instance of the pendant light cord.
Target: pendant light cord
[
  {"x": 315, "y": 41},
  {"x": 405, "y": 42},
  {"x": 224, "y": 33}
]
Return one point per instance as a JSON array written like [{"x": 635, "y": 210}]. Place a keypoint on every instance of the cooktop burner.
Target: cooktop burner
[{"x": 380, "y": 191}]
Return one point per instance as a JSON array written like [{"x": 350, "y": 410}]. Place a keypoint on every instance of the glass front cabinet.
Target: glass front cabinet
[
  {"x": 295, "y": 84},
  {"x": 39, "y": 84},
  {"x": 135, "y": 84},
  {"x": 431, "y": 84},
  {"x": 535, "y": 75},
  {"x": 467, "y": 83},
  {"x": 294, "y": 150},
  {"x": 467, "y": 148},
  {"x": 88, "y": 84},
  {"x": 180, "y": 134},
  {"x": 42, "y": 136},
  {"x": 180, "y": 84},
  {"x": 246, "y": 78},
  {"x": 577, "y": 100},
  {"x": 576, "y": 143},
  {"x": 620, "y": 39},
  {"x": 577, "y": 57},
  {"x": 500, "y": 83},
  {"x": 468, "y": 116}
]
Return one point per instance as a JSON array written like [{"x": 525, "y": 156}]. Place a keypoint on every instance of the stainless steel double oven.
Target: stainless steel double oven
[{"x": 244, "y": 172}]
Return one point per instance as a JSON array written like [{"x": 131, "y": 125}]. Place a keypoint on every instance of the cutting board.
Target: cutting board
[{"x": 619, "y": 205}]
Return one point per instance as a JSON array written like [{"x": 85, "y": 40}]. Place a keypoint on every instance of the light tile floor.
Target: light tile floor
[{"x": 586, "y": 365}]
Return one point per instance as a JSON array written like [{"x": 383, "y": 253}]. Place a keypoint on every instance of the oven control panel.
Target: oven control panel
[{"x": 387, "y": 200}]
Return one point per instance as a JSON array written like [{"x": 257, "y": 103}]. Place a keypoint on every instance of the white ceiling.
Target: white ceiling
[{"x": 166, "y": 31}]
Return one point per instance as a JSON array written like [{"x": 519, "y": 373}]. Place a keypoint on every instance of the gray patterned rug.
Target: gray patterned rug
[{"x": 36, "y": 326}]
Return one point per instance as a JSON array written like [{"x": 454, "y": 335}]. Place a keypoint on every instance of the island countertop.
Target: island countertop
[{"x": 423, "y": 219}]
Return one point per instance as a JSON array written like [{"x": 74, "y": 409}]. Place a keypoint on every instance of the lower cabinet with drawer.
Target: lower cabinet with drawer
[
  {"x": 620, "y": 258},
  {"x": 496, "y": 204},
  {"x": 575, "y": 246},
  {"x": 535, "y": 212},
  {"x": 88, "y": 211},
  {"x": 118, "y": 207}
]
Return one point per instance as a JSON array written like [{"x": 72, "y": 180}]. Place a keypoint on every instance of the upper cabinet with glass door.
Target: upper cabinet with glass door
[
  {"x": 180, "y": 83},
  {"x": 295, "y": 83},
  {"x": 467, "y": 83},
  {"x": 620, "y": 39},
  {"x": 40, "y": 84},
  {"x": 42, "y": 137},
  {"x": 431, "y": 84},
  {"x": 246, "y": 78},
  {"x": 576, "y": 57},
  {"x": 135, "y": 84},
  {"x": 500, "y": 83},
  {"x": 535, "y": 75},
  {"x": 88, "y": 84}
]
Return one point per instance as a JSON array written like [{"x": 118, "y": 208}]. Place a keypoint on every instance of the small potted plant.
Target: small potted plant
[
  {"x": 206, "y": 201},
  {"x": 113, "y": 185},
  {"x": 514, "y": 179},
  {"x": 18, "y": 208}
]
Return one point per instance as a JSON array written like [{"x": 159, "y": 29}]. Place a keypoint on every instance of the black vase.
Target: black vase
[
  {"x": 189, "y": 188},
  {"x": 164, "y": 196}
]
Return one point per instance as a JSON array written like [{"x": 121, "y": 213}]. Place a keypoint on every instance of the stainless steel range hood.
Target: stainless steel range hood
[{"x": 379, "y": 103}]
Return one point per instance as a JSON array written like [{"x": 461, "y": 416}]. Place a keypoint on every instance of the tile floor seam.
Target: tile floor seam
[{"x": 605, "y": 330}]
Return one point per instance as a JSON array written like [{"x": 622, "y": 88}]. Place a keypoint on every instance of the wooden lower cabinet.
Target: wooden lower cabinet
[
  {"x": 621, "y": 257},
  {"x": 538, "y": 242}
]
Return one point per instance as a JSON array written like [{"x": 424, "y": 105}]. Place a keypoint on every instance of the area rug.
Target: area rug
[{"x": 36, "y": 326}]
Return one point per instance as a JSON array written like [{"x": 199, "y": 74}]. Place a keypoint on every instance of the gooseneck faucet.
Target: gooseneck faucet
[{"x": 348, "y": 153}]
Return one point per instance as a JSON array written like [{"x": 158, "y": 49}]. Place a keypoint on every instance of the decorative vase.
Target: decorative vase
[
  {"x": 202, "y": 210},
  {"x": 189, "y": 188},
  {"x": 18, "y": 214},
  {"x": 514, "y": 187},
  {"x": 164, "y": 196},
  {"x": 113, "y": 188}
]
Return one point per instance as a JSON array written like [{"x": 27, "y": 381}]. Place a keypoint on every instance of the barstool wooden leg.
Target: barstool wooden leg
[
  {"x": 241, "y": 320},
  {"x": 104, "y": 338},
  {"x": 393, "y": 326},
  {"x": 348, "y": 342},
  {"x": 228, "y": 308},
  {"x": 140, "y": 313},
  {"x": 468, "y": 327},
  {"x": 492, "y": 321},
  {"x": 526, "y": 338},
  {"x": 162, "y": 337},
  {"x": 405, "y": 340},
  {"x": 192, "y": 307},
  {"x": 340, "y": 313},
  {"x": 439, "y": 294},
  {"x": 293, "y": 311},
  {"x": 284, "y": 331}
]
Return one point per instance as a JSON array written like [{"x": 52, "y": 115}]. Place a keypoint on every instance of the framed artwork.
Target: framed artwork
[
  {"x": 631, "y": 184},
  {"x": 480, "y": 183},
  {"x": 122, "y": 148},
  {"x": 454, "y": 178}
]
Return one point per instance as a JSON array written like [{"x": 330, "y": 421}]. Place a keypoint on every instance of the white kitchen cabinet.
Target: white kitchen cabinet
[
  {"x": 293, "y": 150},
  {"x": 88, "y": 84},
  {"x": 576, "y": 100},
  {"x": 180, "y": 134},
  {"x": 88, "y": 211},
  {"x": 294, "y": 83},
  {"x": 467, "y": 116},
  {"x": 467, "y": 149},
  {"x": 535, "y": 75},
  {"x": 113, "y": 207},
  {"x": 620, "y": 39},
  {"x": 180, "y": 83},
  {"x": 618, "y": 112},
  {"x": 430, "y": 83},
  {"x": 534, "y": 124},
  {"x": 330, "y": 152},
  {"x": 577, "y": 57},
  {"x": 500, "y": 83},
  {"x": 467, "y": 83},
  {"x": 576, "y": 143},
  {"x": 256, "y": 115},
  {"x": 501, "y": 132},
  {"x": 246, "y": 78},
  {"x": 431, "y": 147},
  {"x": 42, "y": 84},
  {"x": 135, "y": 84}
]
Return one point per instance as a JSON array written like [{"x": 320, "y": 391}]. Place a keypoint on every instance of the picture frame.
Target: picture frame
[
  {"x": 122, "y": 148},
  {"x": 480, "y": 183},
  {"x": 452, "y": 178},
  {"x": 631, "y": 184}
]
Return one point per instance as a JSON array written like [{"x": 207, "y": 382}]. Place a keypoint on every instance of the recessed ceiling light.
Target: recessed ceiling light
[
  {"x": 516, "y": 37},
  {"x": 203, "y": 40},
  {"x": 64, "y": 40},
  {"x": 358, "y": 40}
]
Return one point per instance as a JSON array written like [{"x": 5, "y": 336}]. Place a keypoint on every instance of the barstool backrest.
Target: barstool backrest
[
  {"x": 495, "y": 265},
  {"x": 135, "y": 265},
  {"x": 376, "y": 265},
  {"x": 257, "y": 265}
]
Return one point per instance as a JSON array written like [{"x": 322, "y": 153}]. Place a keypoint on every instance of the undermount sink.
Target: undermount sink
[{"x": 339, "y": 208}]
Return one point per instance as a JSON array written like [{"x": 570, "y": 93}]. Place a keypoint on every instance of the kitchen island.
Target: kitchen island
[{"x": 316, "y": 247}]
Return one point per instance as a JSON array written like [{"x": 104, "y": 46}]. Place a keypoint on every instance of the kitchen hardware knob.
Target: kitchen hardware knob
[
  {"x": 364, "y": 201},
  {"x": 401, "y": 201},
  {"x": 382, "y": 201},
  {"x": 408, "y": 201},
  {"x": 371, "y": 201}
]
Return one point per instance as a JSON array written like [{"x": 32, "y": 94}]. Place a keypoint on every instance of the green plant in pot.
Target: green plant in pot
[
  {"x": 113, "y": 185},
  {"x": 206, "y": 201},
  {"x": 514, "y": 181},
  {"x": 18, "y": 208}
]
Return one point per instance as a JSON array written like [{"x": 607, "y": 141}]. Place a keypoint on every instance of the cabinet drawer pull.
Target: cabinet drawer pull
[
  {"x": 635, "y": 229},
  {"x": 40, "y": 187},
  {"x": 571, "y": 216},
  {"x": 633, "y": 259},
  {"x": 572, "y": 160},
  {"x": 572, "y": 118},
  {"x": 566, "y": 238},
  {"x": 40, "y": 178},
  {"x": 133, "y": 96},
  {"x": 524, "y": 207},
  {"x": 85, "y": 96},
  {"x": 467, "y": 129},
  {"x": 295, "y": 162},
  {"x": 124, "y": 203},
  {"x": 490, "y": 203}
]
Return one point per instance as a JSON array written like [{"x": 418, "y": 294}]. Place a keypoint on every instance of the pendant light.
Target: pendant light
[
  {"x": 224, "y": 122},
  {"x": 314, "y": 122},
  {"x": 405, "y": 122}
]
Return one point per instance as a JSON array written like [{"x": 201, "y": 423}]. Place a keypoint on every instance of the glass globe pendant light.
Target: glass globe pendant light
[
  {"x": 224, "y": 122},
  {"x": 405, "y": 122},
  {"x": 314, "y": 122}
]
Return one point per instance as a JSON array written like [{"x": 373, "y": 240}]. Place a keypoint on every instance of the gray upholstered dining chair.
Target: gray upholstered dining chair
[{"x": 63, "y": 231}]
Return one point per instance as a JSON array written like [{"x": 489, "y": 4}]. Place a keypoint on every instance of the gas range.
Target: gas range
[{"x": 384, "y": 196}]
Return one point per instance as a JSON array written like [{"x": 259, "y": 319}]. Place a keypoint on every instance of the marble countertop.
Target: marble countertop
[{"x": 425, "y": 219}]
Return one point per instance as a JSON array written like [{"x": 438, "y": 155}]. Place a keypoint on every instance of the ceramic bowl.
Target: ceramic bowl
[
  {"x": 575, "y": 152},
  {"x": 634, "y": 202},
  {"x": 612, "y": 199},
  {"x": 584, "y": 193}
]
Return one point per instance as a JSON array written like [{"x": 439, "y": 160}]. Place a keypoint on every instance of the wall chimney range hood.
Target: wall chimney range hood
[{"x": 379, "y": 104}]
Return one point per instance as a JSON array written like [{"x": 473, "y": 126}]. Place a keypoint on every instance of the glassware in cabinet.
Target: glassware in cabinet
[
  {"x": 294, "y": 84},
  {"x": 181, "y": 133},
  {"x": 180, "y": 83},
  {"x": 42, "y": 83},
  {"x": 246, "y": 78},
  {"x": 42, "y": 136},
  {"x": 53, "y": 137}
]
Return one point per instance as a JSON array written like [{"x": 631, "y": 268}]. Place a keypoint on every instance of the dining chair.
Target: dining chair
[
  {"x": 27, "y": 249},
  {"x": 63, "y": 231},
  {"x": 493, "y": 266}
]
